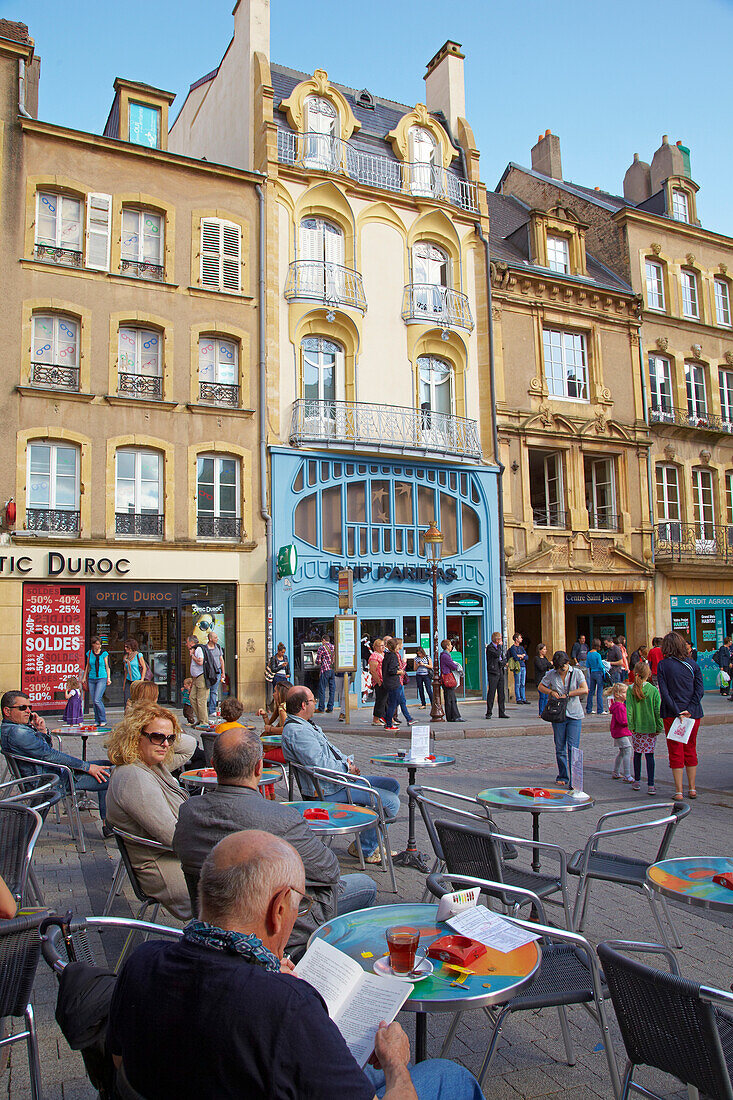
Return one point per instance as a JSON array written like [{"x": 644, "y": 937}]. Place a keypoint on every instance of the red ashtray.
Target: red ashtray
[
  {"x": 456, "y": 949},
  {"x": 315, "y": 813},
  {"x": 431, "y": 757},
  {"x": 536, "y": 792},
  {"x": 86, "y": 729},
  {"x": 724, "y": 879},
  {"x": 208, "y": 773}
]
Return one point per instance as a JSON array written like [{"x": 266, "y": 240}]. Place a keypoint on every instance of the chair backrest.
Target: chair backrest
[
  {"x": 208, "y": 740},
  {"x": 65, "y": 941},
  {"x": 680, "y": 812},
  {"x": 19, "y": 829},
  {"x": 20, "y": 949},
  {"x": 442, "y": 882},
  {"x": 425, "y": 798},
  {"x": 300, "y": 771},
  {"x": 123, "y": 839},
  {"x": 470, "y": 850},
  {"x": 40, "y": 792},
  {"x": 192, "y": 885},
  {"x": 664, "y": 1023}
]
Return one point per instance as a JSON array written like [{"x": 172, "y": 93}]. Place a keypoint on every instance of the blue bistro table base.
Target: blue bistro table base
[{"x": 411, "y": 857}]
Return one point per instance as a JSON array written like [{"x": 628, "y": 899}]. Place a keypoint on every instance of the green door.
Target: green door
[{"x": 471, "y": 657}]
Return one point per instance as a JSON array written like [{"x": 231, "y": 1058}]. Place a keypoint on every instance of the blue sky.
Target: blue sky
[{"x": 609, "y": 79}]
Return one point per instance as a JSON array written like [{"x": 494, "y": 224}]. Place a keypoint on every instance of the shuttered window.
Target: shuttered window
[
  {"x": 221, "y": 255},
  {"x": 99, "y": 219}
]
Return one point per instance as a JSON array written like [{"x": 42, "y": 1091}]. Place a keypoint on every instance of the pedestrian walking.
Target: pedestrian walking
[
  {"x": 496, "y": 660},
  {"x": 541, "y": 667},
  {"x": 621, "y": 734},
  {"x": 596, "y": 677},
  {"x": 198, "y": 691},
  {"x": 135, "y": 667},
  {"x": 681, "y": 687},
  {"x": 327, "y": 678},
  {"x": 391, "y": 678},
  {"x": 518, "y": 665},
  {"x": 643, "y": 707},
  {"x": 423, "y": 676},
  {"x": 654, "y": 656},
  {"x": 97, "y": 678},
  {"x": 279, "y": 665},
  {"x": 216, "y": 662},
  {"x": 449, "y": 680},
  {"x": 560, "y": 682}
]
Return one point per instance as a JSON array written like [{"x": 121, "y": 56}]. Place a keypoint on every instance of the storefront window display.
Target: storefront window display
[{"x": 704, "y": 621}]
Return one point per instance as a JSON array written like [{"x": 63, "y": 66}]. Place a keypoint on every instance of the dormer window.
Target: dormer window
[
  {"x": 322, "y": 127},
  {"x": 423, "y": 153},
  {"x": 558, "y": 254},
  {"x": 680, "y": 205}
]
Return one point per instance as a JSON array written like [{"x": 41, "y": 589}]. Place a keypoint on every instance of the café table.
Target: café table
[
  {"x": 206, "y": 777},
  {"x": 343, "y": 817},
  {"x": 560, "y": 800},
  {"x": 84, "y": 731},
  {"x": 411, "y": 857},
  {"x": 689, "y": 880},
  {"x": 494, "y": 978}
]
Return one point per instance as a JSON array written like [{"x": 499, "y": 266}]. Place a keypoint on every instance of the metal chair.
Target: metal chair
[
  {"x": 38, "y": 793},
  {"x": 69, "y": 790},
  {"x": 668, "y": 1022},
  {"x": 568, "y": 975},
  {"x": 20, "y": 949},
  {"x": 63, "y": 940},
  {"x": 476, "y": 850},
  {"x": 625, "y": 870},
  {"x": 146, "y": 901},
  {"x": 208, "y": 740},
  {"x": 20, "y": 827}
]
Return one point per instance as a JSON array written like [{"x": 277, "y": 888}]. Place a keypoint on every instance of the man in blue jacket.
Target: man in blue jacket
[{"x": 24, "y": 733}]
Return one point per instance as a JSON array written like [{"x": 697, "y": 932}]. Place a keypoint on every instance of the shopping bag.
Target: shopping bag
[{"x": 680, "y": 730}]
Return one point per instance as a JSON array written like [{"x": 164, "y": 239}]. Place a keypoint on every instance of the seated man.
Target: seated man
[
  {"x": 238, "y": 1023},
  {"x": 304, "y": 742},
  {"x": 24, "y": 733},
  {"x": 235, "y": 804}
]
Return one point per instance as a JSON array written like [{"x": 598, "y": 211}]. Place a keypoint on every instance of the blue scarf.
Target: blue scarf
[{"x": 249, "y": 946}]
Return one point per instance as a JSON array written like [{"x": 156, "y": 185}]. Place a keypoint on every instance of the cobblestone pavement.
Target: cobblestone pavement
[{"x": 530, "y": 1057}]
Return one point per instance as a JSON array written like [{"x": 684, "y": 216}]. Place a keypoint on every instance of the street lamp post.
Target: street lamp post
[{"x": 434, "y": 550}]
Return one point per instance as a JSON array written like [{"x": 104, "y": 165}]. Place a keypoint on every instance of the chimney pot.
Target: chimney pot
[
  {"x": 665, "y": 139},
  {"x": 548, "y": 132},
  {"x": 444, "y": 84},
  {"x": 636, "y": 157}
]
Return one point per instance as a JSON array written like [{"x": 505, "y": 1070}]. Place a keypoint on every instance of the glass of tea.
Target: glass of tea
[{"x": 402, "y": 942}]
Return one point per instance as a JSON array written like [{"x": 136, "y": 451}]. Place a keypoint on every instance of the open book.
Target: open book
[{"x": 356, "y": 1001}]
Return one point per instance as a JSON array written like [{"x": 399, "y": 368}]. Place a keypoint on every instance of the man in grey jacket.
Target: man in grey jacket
[{"x": 235, "y": 804}]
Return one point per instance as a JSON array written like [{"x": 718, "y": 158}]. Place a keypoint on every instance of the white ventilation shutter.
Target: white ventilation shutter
[
  {"x": 221, "y": 251},
  {"x": 99, "y": 220},
  {"x": 210, "y": 252},
  {"x": 231, "y": 262}
]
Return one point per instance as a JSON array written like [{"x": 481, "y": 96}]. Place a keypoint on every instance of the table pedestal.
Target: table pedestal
[
  {"x": 535, "y": 836},
  {"x": 421, "y": 1036},
  {"x": 411, "y": 857}
]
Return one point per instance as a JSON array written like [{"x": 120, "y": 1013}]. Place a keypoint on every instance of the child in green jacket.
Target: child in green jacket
[{"x": 643, "y": 707}]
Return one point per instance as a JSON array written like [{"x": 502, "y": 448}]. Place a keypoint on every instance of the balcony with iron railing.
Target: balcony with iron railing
[
  {"x": 710, "y": 543},
  {"x": 219, "y": 393},
  {"x": 325, "y": 282},
  {"x": 55, "y": 376},
  {"x": 550, "y": 517},
  {"x": 357, "y": 425},
  {"x": 602, "y": 520},
  {"x": 218, "y": 527},
  {"x": 50, "y": 254},
  {"x": 139, "y": 524},
  {"x": 437, "y": 305},
  {"x": 138, "y": 270},
  {"x": 57, "y": 521},
  {"x": 146, "y": 386},
  {"x": 324, "y": 153},
  {"x": 698, "y": 421}
]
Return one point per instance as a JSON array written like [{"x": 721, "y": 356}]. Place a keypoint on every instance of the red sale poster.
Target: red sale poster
[{"x": 53, "y": 641}]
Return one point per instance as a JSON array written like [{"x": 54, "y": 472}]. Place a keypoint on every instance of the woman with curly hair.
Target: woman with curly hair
[{"x": 145, "y": 798}]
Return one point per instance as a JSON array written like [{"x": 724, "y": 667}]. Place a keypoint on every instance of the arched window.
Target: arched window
[
  {"x": 321, "y": 260},
  {"x": 52, "y": 496},
  {"x": 55, "y": 352},
  {"x": 423, "y": 157},
  {"x": 323, "y": 370},
  {"x": 321, "y": 134},
  {"x": 436, "y": 390},
  {"x": 430, "y": 280},
  {"x": 139, "y": 493},
  {"x": 140, "y": 363},
  {"x": 218, "y": 371}
]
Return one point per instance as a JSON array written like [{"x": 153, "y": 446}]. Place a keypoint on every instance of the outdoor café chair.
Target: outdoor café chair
[
  {"x": 668, "y": 1022},
  {"x": 208, "y": 740},
  {"x": 70, "y": 796},
  {"x": 476, "y": 850},
  {"x": 20, "y": 950},
  {"x": 592, "y": 863},
  {"x": 38, "y": 793},
  {"x": 299, "y": 771},
  {"x": 20, "y": 827},
  {"x": 568, "y": 975}
]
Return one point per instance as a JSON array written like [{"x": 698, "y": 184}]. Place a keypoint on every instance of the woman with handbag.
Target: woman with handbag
[
  {"x": 680, "y": 684},
  {"x": 449, "y": 680},
  {"x": 565, "y": 687}
]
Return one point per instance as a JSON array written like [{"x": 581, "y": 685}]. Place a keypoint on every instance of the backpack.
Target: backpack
[{"x": 211, "y": 666}]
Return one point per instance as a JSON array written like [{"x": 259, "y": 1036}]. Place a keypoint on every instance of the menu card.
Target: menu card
[
  {"x": 420, "y": 743},
  {"x": 479, "y": 923}
]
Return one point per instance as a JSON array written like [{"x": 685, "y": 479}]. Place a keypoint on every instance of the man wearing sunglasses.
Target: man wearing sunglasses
[{"x": 24, "y": 733}]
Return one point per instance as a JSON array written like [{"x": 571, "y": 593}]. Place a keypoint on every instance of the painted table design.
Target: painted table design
[
  {"x": 689, "y": 880},
  {"x": 509, "y": 798},
  {"x": 411, "y": 857},
  {"x": 342, "y": 818},
  {"x": 271, "y": 740},
  {"x": 206, "y": 777},
  {"x": 495, "y": 977}
]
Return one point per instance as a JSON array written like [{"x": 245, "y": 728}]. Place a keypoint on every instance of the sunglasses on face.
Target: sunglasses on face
[
  {"x": 21, "y": 706},
  {"x": 160, "y": 738}
]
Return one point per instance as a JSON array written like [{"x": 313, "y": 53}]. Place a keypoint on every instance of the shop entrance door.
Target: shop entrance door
[
  {"x": 464, "y": 631},
  {"x": 600, "y": 626},
  {"x": 155, "y": 633}
]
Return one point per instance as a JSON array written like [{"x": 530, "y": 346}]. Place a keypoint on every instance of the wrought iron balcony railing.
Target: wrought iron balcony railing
[
  {"x": 219, "y": 527},
  {"x": 219, "y": 393},
  {"x": 153, "y": 272},
  {"x": 323, "y": 153},
  {"x": 57, "y": 520},
  {"x": 549, "y": 517},
  {"x": 438, "y": 304},
  {"x": 50, "y": 254},
  {"x": 55, "y": 376},
  {"x": 322, "y": 281},
  {"x": 386, "y": 427},
  {"x": 602, "y": 520},
  {"x": 689, "y": 542},
  {"x": 142, "y": 524},
  {"x": 683, "y": 418},
  {"x": 140, "y": 385}
]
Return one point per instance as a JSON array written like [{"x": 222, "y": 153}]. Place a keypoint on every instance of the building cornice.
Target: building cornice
[
  {"x": 512, "y": 281},
  {"x": 669, "y": 225}
]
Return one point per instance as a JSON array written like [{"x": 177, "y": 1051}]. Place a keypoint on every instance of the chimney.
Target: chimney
[
  {"x": 444, "y": 84},
  {"x": 667, "y": 161},
  {"x": 638, "y": 181},
  {"x": 252, "y": 26},
  {"x": 546, "y": 155}
]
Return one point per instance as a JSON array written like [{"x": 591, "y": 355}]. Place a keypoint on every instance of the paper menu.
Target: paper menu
[
  {"x": 479, "y": 923},
  {"x": 356, "y": 1001},
  {"x": 576, "y": 770},
  {"x": 419, "y": 743}
]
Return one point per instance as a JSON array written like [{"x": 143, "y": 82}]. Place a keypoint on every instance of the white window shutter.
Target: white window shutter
[
  {"x": 231, "y": 261},
  {"x": 210, "y": 252},
  {"x": 99, "y": 225}
]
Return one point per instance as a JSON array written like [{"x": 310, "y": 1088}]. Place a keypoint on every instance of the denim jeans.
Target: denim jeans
[
  {"x": 97, "y": 689},
  {"x": 567, "y": 737},
  {"x": 326, "y": 678},
  {"x": 595, "y": 688},
  {"x": 357, "y": 892},
  {"x": 402, "y": 703},
  {"x": 542, "y": 701},
  {"x": 435, "y": 1079},
  {"x": 390, "y": 707},
  {"x": 85, "y": 782},
  {"x": 618, "y": 674},
  {"x": 424, "y": 684},
  {"x": 214, "y": 696},
  {"x": 519, "y": 681},
  {"x": 389, "y": 792}
]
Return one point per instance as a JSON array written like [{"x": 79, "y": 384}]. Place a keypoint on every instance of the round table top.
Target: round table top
[
  {"x": 81, "y": 731},
  {"x": 206, "y": 777},
  {"x": 495, "y": 977},
  {"x": 509, "y": 798},
  {"x": 392, "y": 760},
  {"x": 689, "y": 879},
  {"x": 342, "y": 817},
  {"x": 272, "y": 740}
]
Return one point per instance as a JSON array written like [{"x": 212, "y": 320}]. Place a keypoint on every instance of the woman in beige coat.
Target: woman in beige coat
[{"x": 144, "y": 798}]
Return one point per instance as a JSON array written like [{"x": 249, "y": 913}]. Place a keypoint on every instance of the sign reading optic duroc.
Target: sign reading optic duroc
[{"x": 53, "y": 641}]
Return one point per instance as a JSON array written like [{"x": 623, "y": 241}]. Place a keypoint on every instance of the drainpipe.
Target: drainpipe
[
  {"x": 495, "y": 437},
  {"x": 649, "y": 471},
  {"x": 270, "y": 582},
  {"x": 21, "y": 89}
]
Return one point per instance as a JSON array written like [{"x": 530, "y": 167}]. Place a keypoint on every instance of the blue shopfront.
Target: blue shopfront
[
  {"x": 705, "y": 621},
  {"x": 370, "y": 514}
]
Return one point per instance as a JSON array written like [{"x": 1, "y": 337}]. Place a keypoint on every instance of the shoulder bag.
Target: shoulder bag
[
  {"x": 554, "y": 709},
  {"x": 448, "y": 680}
]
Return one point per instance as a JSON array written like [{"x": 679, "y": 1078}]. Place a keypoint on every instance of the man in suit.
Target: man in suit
[
  {"x": 495, "y": 664},
  {"x": 235, "y": 804}
]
